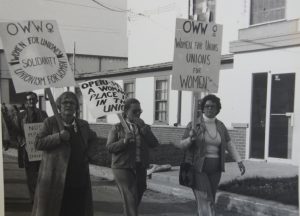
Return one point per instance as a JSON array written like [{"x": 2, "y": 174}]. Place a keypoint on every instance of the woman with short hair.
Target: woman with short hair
[
  {"x": 130, "y": 155},
  {"x": 64, "y": 186},
  {"x": 205, "y": 149}
]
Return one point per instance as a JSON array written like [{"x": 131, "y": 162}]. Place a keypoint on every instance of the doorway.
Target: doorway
[{"x": 272, "y": 112}]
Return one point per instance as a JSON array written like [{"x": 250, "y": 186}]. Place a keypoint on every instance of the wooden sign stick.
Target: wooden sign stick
[
  {"x": 124, "y": 124},
  {"x": 54, "y": 108}
]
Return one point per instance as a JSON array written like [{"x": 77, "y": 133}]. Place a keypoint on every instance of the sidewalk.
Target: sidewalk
[{"x": 167, "y": 182}]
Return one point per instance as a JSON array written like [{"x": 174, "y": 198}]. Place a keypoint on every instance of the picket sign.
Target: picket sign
[
  {"x": 36, "y": 57},
  {"x": 197, "y": 58},
  {"x": 104, "y": 97}
]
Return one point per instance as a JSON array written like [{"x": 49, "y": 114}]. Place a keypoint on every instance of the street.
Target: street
[{"x": 107, "y": 201}]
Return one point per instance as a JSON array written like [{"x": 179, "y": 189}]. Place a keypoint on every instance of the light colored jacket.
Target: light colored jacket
[{"x": 53, "y": 168}]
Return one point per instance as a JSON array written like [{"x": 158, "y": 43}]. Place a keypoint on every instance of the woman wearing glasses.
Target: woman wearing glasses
[
  {"x": 130, "y": 155},
  {"x": 205, "y": 148}
]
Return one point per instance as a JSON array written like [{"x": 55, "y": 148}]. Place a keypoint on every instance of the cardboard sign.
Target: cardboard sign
[
  {"x": 31, "y": 130},
  {"x": 197, "y": 56},
  {"x": 35, "y": 55},
  {"x": 103, "y": 97}
]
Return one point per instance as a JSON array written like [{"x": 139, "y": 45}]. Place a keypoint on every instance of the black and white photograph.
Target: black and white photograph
[{"x": 149, "y": 107}]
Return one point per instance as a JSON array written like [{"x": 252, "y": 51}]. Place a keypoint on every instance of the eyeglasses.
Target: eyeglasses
[
  {"x": 210, "y": 106},
  {"x": 68, "y": 102},
  {"x": 137, "y": 111}
]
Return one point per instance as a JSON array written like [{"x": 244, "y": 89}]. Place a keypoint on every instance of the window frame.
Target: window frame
[
  {"x": 161, "y": 78},
  {"x": 129, "y": 81},
  {"x": 266, "y": 22}
]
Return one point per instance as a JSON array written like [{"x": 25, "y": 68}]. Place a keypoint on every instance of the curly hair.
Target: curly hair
[
  {"x": 212, "y": 98},
  {"x": 68, "y": 94}
]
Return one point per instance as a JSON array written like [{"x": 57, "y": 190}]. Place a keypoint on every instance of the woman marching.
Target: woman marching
[
  {"x": 205, "y": 149},
  {"x": 130, "y": 155}
]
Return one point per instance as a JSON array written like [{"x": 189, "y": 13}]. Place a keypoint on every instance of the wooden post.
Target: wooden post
[
  {"x": 124, "y": 124},
  {"x": 54, "y": 108},
  {"x": 201, "y": 12}
]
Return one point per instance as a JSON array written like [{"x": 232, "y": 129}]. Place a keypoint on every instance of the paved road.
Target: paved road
[{"x": 107, "y": 200}]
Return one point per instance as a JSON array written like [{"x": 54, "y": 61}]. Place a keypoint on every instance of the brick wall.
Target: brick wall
[{"x": 166, "y": 153}]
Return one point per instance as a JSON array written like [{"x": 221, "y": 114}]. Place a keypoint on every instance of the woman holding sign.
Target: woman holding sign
[
  {"x": 205, "y": 150},
  {"x": 130, "y": 155},
  {"x": 64, "y": 186}
]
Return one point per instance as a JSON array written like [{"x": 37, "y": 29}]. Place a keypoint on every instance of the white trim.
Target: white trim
[{"x": 268, "y": 110}]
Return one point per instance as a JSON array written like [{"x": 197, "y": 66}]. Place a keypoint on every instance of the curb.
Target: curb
[{"x": 245, "y": 205}]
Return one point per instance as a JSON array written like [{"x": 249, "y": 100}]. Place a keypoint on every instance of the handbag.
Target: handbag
[{"x": 187, "y": 174}]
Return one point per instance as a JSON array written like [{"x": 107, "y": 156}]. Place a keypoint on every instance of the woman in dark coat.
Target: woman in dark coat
[
  {"x": 64, "y": 187},
  {"x": 205, "y": 149},
  {"x": 130, "y": 156}
]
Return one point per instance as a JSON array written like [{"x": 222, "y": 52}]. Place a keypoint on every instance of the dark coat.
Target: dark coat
[
  {"x": 23, "y": 118},
  {"x": 53, "y": 168},
  {"x": 123, "y": 155}
]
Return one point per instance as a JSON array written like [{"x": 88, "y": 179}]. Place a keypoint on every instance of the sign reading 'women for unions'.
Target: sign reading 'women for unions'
[
  {"x": 103, "y": 97},
  {"x": 35, "y": 55},
  {"x": 197, "y": 56}
]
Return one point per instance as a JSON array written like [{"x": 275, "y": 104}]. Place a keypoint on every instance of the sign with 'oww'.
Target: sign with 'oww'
[
  {"x": 197, "y": 56},
  {"x": 35, "y": 55},
  {"x": 31, "y": 130},
  {"x": 103, "y": 97}
]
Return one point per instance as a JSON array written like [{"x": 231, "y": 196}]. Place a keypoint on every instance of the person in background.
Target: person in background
[
  {"x": 130, "y": 155},
  {"x": 5, "y": 134},
  {"x": 205, "y": 148},
  {"x": 31, "y": 114},
  {"x": 64, "y": 186}
]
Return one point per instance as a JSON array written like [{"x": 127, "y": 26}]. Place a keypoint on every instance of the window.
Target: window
[
  {"x": 161, "y": 101},
  {"x": 266, "y": 10},
  {"x": 129, "y": 88}
]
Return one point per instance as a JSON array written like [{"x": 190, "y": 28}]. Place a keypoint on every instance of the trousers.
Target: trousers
[
  {"x": 132, "y": 185},
  {"x": 207, "y": 183}
]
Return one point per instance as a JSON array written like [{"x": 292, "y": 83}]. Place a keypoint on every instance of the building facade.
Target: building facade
[{"x": 258, "y": 87}]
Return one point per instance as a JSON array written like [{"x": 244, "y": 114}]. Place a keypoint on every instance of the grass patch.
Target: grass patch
[{"x": 283, "y": 190}]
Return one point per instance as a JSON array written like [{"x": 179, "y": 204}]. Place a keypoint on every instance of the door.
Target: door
[
  {"x": 258, "y": 115},
  {"x": 281, "y": 115}
]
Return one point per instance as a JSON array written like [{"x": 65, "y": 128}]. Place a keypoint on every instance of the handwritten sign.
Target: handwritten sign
[
  {"x": 35, "y": 55},
  {"x": 197, "y": 56},
  {"x": 31, "y": 130},
  {"x": 103, "y": 97}
]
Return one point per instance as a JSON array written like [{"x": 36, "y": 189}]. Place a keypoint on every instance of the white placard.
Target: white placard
[
  {"x": 31, "y": 130},
  {"x": 103, "y": 97},
  {"x": 197, "y": 56},
  {"x": 35, "y": 55}
]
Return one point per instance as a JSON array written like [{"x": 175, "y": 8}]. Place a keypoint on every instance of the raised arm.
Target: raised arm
[
  {"x": 45, "y": 140},
  {"x": 187, "y": 138}
]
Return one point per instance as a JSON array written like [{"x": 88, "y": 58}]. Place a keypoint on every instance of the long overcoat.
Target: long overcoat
[{"x": 53, "y": 168}]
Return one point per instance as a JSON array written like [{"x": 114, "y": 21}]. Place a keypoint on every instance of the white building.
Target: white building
[{"x": 258, "y": 78}]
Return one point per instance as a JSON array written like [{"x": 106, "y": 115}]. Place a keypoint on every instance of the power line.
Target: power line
[
  {"x": 74, "y": 4},
  {"x": 110, "y": 8}
]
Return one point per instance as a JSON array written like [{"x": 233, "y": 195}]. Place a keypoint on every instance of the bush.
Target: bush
[{"x": 284, "y": 190}]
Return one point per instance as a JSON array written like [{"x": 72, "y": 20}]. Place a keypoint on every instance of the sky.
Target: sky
[{"x": 96, "y": 30}]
